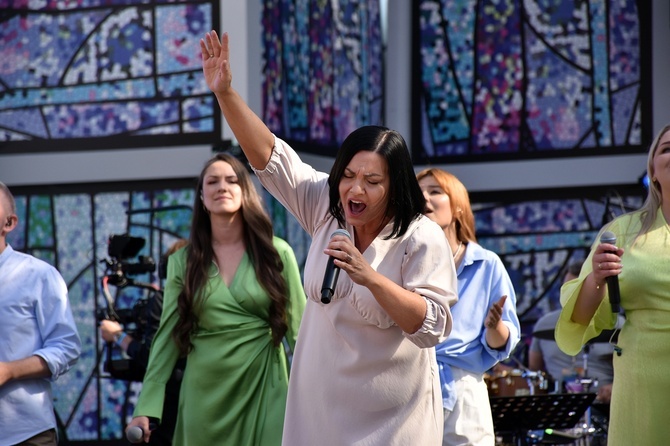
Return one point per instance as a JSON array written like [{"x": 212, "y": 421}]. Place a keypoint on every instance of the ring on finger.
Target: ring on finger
[
  {"x": 349, "y": 258},
  {"x": 600, "y": 266}
]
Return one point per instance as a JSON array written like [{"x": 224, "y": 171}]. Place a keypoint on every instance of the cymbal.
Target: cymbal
[{"x": 604, "y": 336}]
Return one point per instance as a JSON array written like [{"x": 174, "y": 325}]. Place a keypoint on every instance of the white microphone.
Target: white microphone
[{"x": 135, "y": 434}]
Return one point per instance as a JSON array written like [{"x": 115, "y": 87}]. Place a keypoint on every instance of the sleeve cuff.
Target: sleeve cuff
[{"x": 436, "y": 326}]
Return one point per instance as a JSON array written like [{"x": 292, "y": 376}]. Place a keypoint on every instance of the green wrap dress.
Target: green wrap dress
[{"x": 235, "y": 383}]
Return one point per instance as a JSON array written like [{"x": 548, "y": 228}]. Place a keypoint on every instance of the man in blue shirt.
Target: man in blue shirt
[{"x": 39, "y": 338}]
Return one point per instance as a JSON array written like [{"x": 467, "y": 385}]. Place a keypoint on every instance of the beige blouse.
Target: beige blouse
[{"x": 357, "y": 378}]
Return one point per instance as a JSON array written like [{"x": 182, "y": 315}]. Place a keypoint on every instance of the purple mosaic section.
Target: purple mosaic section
[
  {"x": 323, "y": 69},
  {"x": 498, "y": 102},
  {"x": 79, "y": 73},
  {"x": 624, "y": 45},
  {"x": 537, "y": 239},
  {"x": 180, "y": 26},
  {"x": 520, "y": 77},
  {"x": 73, "y": 121},
  {"x": 558, "y": 107},
  {"x": 35, "y": 49}
]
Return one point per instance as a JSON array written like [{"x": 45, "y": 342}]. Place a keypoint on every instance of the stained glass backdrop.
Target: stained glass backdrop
[
  {"x": 102, "y": 74},
  {"x": 323, "y": 70},
  {"x": 532, "y": 78}
]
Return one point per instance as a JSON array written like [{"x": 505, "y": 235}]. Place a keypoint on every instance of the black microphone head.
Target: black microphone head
[
  {"x": 343, "y": 232},
  {"x": 608, "y": 237}
]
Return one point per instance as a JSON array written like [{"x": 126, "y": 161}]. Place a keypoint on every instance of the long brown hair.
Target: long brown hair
[
  {"x": 461, "y": 210},
  {"x": 258, "y": 235}
]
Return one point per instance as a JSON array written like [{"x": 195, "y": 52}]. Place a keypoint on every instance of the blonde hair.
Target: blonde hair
[
  {"x": 459, "y": 198},
  {"x": 649, "y": 209}
]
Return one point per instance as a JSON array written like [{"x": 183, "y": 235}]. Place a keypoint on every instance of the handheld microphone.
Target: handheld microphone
[
  {"x": 332, "y": 272},
  {"x": 135, "y": 434},
  {"x": 612, "y": 281}
]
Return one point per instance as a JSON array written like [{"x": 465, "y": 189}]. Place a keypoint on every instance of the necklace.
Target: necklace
[{"x": 460, "y": 244}]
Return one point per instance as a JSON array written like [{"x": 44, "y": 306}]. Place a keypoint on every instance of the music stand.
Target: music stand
[{"x": 516, "y": 415}]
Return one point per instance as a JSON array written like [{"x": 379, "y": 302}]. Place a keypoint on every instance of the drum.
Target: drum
[{"x": 516, "y": 383}]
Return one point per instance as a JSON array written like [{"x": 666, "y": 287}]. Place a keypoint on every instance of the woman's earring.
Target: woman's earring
[{"x": 202, "y": 200}]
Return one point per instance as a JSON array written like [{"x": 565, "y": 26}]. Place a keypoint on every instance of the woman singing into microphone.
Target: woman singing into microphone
[
  {"x": 640, "y": 261},
  {"x": 364, "y": 370}
]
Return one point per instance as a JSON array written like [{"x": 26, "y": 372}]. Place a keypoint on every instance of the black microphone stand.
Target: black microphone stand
[{"x": 586, "y": 383}]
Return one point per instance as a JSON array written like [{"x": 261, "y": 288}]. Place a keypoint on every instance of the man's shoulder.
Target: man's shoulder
[
  {"x": 548, "y": 320},
  {"x": 31, "y": 260}
]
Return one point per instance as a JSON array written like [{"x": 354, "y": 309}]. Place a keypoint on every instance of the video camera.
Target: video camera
[
  {"x": 120, "y": 248},
  {"x": 134, "y": 320},
  {"x": 123, "y": 247}
]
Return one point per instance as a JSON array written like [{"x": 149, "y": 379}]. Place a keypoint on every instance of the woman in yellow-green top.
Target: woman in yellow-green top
[
  {"x": 232, "y": 295},
  {"x": 641, "y": 262}
]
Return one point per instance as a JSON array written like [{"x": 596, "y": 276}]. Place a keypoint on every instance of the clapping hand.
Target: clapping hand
[{"x": 494, "y": 315}]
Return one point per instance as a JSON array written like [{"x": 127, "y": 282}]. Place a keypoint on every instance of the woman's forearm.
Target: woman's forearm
[
  {"x": 251, "y": 133},
  {"x": 590, "y": 296}
]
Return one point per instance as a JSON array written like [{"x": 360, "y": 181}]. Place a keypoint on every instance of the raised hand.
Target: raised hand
[{"x": 216, "y": 62}]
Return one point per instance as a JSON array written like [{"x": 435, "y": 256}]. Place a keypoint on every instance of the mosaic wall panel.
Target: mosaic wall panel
[
  {"x": 101, "y": 74},
  {"x": 531, "y": 78},
  {"x": 536, "y": 239},
  {"x": 323, "y": 70}
]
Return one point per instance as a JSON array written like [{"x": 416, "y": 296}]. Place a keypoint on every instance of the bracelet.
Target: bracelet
[{"x": 119, "y": 339}]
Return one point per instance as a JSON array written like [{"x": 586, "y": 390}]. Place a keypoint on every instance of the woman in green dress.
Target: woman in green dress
[
  {"x": 232, "y": 295},
  {"x": 640, "y": 260}
]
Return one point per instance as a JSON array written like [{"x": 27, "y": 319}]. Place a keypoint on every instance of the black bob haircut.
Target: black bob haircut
[{"x": 405, "y": 199}]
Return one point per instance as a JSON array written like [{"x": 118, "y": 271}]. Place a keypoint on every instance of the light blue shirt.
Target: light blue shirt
[
  {"x": 482, "y": 281},
  {"x": 35, "y": 319}
]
